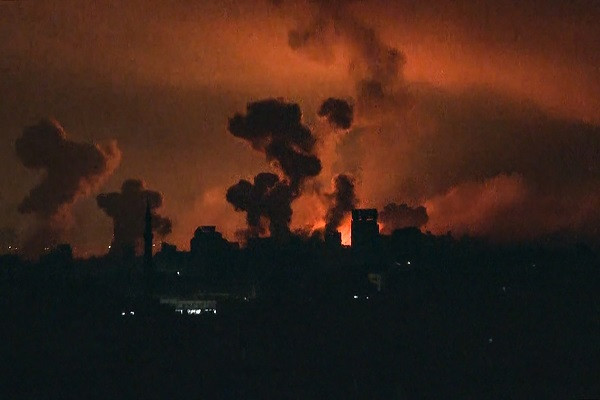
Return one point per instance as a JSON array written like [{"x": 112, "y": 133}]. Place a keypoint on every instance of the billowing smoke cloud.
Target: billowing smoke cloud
[
  {"x": 397, "y": 216},
  {"x": 376, "y": 67},
  {"x": 508, "y": 208},
  {"x": 338, "y": 112},
  {"x": 343, "y": 200},
  {"x": 128, "y": 209},
  {"x": 268, "y": 197},
  {"x": 275, "y": 128},
  {"x": 71, "y": 170},
  {"x": 455, "y": 148}
]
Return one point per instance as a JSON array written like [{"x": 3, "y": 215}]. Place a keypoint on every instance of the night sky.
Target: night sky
[{"x": 486, "y": 113}]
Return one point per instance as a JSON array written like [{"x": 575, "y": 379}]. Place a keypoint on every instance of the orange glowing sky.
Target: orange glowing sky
[{"x": 162, "y": 78}]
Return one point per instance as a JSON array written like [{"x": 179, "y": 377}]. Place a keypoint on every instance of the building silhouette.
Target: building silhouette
[
  {"x": 148, "y": 237},
  {"x": 365, "y": 230},
  {"x": 207, "y": 241},
  {"x": 333, "y": 239}
]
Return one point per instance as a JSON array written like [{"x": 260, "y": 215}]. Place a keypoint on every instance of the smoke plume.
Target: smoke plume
[
  {"x": 338, "y": 112},
  {"x": 275, "y": 128},
  {"x": 268, "y": 198},
  {"x": 71, "y": 170},
  {"x": 343, "y": 200},
  {"x": 397, "y": 216},
  {"x": 127, "y": 210}
]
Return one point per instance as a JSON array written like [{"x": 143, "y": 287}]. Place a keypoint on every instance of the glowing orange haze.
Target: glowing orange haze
[
  {"x": 442, "y": 55},
  {"x": 166, "y": 76},
  {"x": 453, "y": 63}
]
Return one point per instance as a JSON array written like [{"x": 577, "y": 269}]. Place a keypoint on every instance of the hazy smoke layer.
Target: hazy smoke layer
[
  {"x": 338, "y": 112},
  {"x": 377, "y": 68},
  {"x": 127, "y": 210},
  {"x": 397, "y": 216},
  {"x": 488, "y": 165},
  {"x": 343, "y": 200},
  {"x": 70, "y": 170}
]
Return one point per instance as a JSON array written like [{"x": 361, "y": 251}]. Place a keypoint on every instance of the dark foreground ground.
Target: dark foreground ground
[{"x": 531, "y": 334}]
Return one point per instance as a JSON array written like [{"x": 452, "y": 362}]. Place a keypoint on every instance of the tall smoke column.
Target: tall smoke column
[
  {"x": 71, "y": 170},
  {"x": 377, "y": 68},
  {"x": 274, "y": 128},
  {"x": 127, "y": 209},
  {"x": 343, "y": 201},
  {"x": 340, "y": 115},
  {"x": 397, "y": 216}
]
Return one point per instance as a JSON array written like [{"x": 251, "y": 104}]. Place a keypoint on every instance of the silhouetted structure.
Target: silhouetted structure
[
  {"x": 169, "y": 258},
  {"x": 211, "y": 254},
  {"x": 207, "y": 240},
  {"x": 333, "y": 239},
  {"x": 148, "y": 236},
  {"x": 248, "y": 304},
  {"x": 61, "y": 255},
  {"x": 168, "y": 249},
  {"x": 365, "y": 230}
]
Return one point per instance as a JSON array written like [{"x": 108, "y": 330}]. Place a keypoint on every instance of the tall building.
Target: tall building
[
  {"x": 148, "y": 236},
  {"x": 365, "y": 230},
  {"x": 211, "y": 254}
]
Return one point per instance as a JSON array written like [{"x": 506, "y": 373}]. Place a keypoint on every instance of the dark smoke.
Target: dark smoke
[
  {"x": 397, "y": 216},
  {"x": 343, "y": 201},
  {"x": 275, "y": 127},
  {"x": 70, "y": 170},
  {"x": 338, "y": 112},
  {"x": 128, "y": 209},
  {"x": 268, "y": 198}
]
